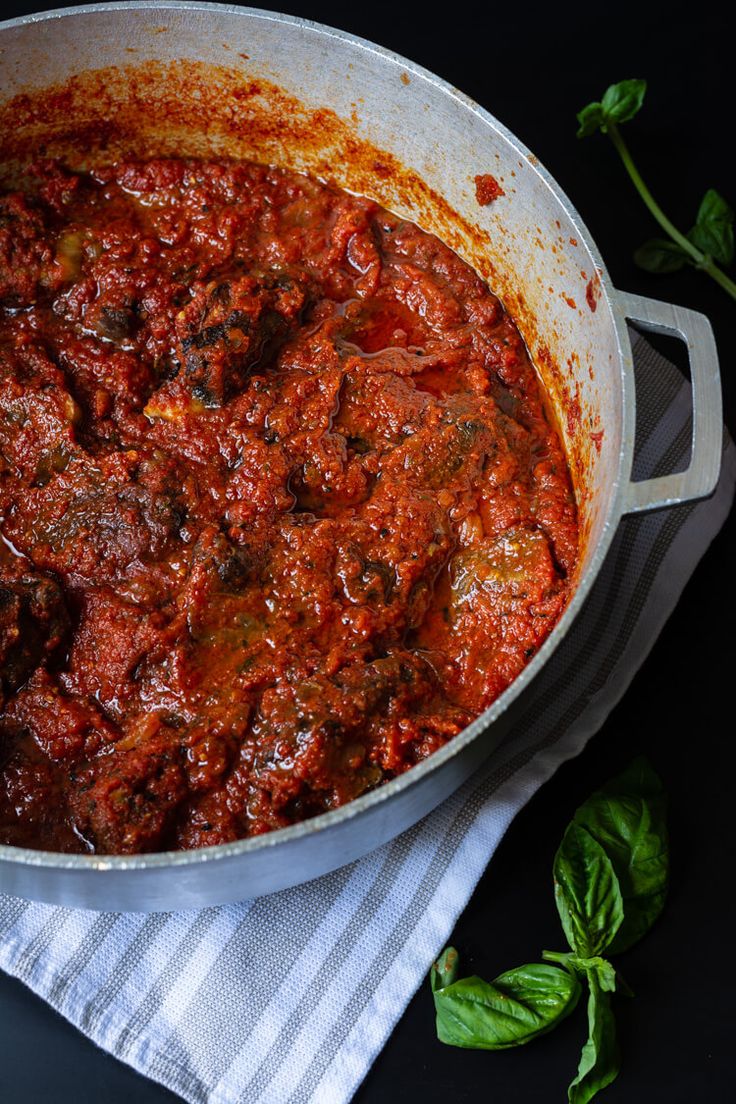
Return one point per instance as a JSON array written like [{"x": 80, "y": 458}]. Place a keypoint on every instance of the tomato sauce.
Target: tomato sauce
[{"x": 282, "y": 507}]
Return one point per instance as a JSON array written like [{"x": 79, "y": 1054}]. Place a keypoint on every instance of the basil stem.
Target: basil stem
[
  {"x": 600, "y": 1061},
  {"x": 699, "y": 259}
]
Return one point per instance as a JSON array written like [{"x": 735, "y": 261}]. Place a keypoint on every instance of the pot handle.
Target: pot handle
[{"x": 700, "y": 478}]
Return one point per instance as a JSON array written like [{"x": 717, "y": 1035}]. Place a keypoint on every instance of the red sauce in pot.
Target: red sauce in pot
[{"x": 282, "y": 508}]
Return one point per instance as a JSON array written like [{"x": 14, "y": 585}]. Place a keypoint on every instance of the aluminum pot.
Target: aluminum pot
[{"x": 193, "y": 78}]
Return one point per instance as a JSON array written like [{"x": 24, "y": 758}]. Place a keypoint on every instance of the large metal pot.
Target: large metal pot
[{"x": 194, "y": 78}]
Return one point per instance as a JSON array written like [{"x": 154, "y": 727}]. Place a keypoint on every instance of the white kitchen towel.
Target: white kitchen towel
[{"x": 288, "y": 999}]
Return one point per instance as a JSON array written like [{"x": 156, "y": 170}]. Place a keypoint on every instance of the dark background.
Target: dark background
[{"x": 534, "y": 67}]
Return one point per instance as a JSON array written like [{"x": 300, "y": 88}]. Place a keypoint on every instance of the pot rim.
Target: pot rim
[{"x": 326, "y": 822}]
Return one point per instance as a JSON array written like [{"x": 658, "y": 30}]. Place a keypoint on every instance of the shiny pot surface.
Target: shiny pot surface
[{"x": 143, "y": 79}]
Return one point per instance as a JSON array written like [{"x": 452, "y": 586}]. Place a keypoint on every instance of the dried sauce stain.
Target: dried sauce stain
[
  {"x": 573, "y": 413},
  {"x": 593, "y": 292},
  {"x": 487, "y": 189},
  {"x": 145, "y": 111},
  {"x": 291, "y": 507}
]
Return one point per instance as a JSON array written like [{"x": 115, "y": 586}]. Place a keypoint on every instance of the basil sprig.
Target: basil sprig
[
  {"x": 710, "y": 242},
  {"x": 610, "y": 882}
]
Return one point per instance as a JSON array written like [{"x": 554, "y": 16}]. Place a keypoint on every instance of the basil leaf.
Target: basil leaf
[
  {"x": 713, "y": 230},
  {"x": 587, "y": 892},
  {"x": 622, "y": 101},
  {"x": 660, "y": 256},
  {"x": 600, "y": 1061},
  {"x": 444, "y": 970},
  {"x": 591, "y": 118},
  {"x": 510, "y": 1011},
  {"x": 627, "y": 817}
]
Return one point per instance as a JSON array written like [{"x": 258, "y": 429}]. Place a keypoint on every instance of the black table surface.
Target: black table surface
[{"x": 534, "y": 66}]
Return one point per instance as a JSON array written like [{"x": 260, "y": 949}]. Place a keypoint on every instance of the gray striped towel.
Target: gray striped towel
[{"x": 288, "y": 999}]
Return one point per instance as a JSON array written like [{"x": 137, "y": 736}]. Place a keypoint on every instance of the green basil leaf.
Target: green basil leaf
[
  {"x": 591, "y": 118},
  {"x": 510, "y": 1011},
  {"x": 660, "y": 255},
  {"x": 587, "y": 892},
  {"x": 713, "y": 230},
  {"x": 599, "y": 1061},
  {"x": 627, "y": 817},
  {"x": 444, "y": 970},
  {"x": 622, "y": 101}
]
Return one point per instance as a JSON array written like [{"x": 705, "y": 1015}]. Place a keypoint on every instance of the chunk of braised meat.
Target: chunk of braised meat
[
  {"x": 221, "y": 645},
  {"x": 127, "y": 802},
  {"x": 107, "y": 520},
  {"x": 33, "y": 622},
  {"x": 227, "y": 328},
  {"x": 108, "y": 381},
  {"x": 310, "y": 738},
  {"x": 219, "y": 607},
  {"x": 38, "y": 414},
  {"x": 32, "y": 795},
  {"x": 54, "y": 183},
  {"x": 226, "y": 567},
  {"x": 512, "y": 569},
  {"x": 212, "y": 654},
  {"x": 113, "y": 638},
  {"x": 25, "y": 254},
  {"x": 67, "y": 728},
  {"x": 379, "y": 410},
  {"x": 44, "y": 734},
  {"x": 493, "y": 582},
  {"x": 320, "y": 742}
]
